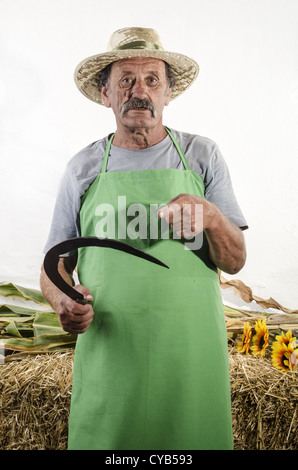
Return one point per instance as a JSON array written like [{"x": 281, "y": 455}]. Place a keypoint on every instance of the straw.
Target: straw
[{"x": 35, "y": 393}]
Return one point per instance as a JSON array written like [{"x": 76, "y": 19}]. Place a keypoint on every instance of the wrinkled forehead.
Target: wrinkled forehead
[{"x": 139, "y": 64}]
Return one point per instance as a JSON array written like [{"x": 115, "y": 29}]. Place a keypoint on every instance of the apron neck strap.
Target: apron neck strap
[
  {"x": 108, "y": 148},
  {"x": 106, "y": 155},
  {"x": 181, "y": 154}
]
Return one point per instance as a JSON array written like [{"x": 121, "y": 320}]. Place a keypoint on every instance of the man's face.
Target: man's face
[{"x": 137, "y": 92}]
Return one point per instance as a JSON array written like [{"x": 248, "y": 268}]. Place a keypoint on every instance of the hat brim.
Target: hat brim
[{"x": 86, "y": 74}]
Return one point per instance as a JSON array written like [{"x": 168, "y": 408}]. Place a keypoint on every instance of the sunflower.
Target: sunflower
[
  {"x": 284, "y": 352},
  {"x": 260, "y": 339},
  {"x": 284, "y": 356},
  {"x": 244, "y": 345},
  {"x": 285, "y": 338}
]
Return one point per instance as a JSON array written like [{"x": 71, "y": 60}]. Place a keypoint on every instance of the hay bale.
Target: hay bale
[
  {"x": 264, "y": 404},
  {"x": 35, "y": 398},
  {"x": 34, "y": 402}
]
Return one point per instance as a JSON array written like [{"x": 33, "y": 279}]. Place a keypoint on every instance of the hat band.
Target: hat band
[{"x": 139, "y": 45}]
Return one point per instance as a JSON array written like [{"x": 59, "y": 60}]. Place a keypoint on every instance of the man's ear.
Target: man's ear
[
  {"x": 168, "y": 97},
  {"x": 105, "y": 97}
]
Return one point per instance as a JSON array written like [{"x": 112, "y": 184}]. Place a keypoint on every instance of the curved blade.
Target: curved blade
[{"x": 52, "y": 258}]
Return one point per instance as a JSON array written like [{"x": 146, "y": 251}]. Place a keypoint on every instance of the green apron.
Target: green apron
[{"x": 152, "y": 371}]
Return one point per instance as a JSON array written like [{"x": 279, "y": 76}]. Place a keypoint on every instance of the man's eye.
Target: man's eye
[
  {"x": 152, "y": 81},
  {"x": 126, "y": 82}
]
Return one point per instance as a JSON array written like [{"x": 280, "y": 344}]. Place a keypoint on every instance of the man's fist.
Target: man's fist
[{"x": 75, "y": 317}]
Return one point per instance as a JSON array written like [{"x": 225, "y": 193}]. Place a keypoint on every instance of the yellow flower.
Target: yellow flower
[
  {"x": 284, "y": 357},
  {"x": 284, "y": 352},
  {"x": 260, "y": 339},
  {"x": 285, "y": 338},
  {"x": 244, "y": 345}
]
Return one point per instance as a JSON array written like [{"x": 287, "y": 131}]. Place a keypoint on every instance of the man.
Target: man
[{"x": 151, "y": 365}]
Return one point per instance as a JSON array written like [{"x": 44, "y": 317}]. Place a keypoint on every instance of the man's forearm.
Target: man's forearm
[
  {"x": 50, "y": 292},
  {"x": 226, "y": 244}
]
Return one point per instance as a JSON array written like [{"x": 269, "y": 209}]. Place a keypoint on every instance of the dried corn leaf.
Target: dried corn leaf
[
  {"x": 47, "y": 323},
  {"x": 12, "y": 330},
  {"x": 246, "y": 294},
  {"x": 13, "y": 290},
  {"x": 42, "y": 343},
  {"x": 27, "y": 329},
  {"x": 15, "y": 310}
]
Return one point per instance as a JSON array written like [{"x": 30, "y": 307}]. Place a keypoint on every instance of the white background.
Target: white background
[{"x": 245, "y": 99}]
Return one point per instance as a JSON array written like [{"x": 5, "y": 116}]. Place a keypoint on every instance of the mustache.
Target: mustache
[{"x": 137, "y": 103}]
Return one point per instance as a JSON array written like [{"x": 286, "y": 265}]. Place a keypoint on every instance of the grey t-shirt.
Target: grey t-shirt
[{"x": 202, "y": 154}]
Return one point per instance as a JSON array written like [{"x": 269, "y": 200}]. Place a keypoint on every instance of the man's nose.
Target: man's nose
[{"x": 139, "y": 88}]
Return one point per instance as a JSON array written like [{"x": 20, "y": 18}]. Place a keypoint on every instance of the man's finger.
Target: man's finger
[
  {"x": 80, "y": 317},
  {"x": 170, "y": 212}
]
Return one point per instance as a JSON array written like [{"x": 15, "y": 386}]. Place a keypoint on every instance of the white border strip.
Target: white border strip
[{"x": 2, "y": 353}]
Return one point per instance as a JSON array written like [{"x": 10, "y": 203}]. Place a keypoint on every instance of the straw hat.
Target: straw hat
[{"x": 128, "y": 43}]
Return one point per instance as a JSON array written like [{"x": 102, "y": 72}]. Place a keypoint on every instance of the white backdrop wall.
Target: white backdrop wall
[{"x": 245, "y": 98}]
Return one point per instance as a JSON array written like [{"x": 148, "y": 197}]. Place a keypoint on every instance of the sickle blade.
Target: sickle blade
[{"x": 52, "y": 258}]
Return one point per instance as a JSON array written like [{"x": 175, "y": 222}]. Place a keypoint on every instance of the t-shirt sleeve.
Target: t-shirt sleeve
[
  {"x": 219, "y": 190},
  {"x": 65, "y": 217}
]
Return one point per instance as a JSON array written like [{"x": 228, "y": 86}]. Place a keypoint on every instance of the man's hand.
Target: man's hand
[
  {"x": 184, "y": 214},
  {"x": 189, "y": 215},
  {"x": 75, "y": 317}
]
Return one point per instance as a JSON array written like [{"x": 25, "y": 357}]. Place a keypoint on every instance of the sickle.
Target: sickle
[{"x": 52, "y": 258}]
